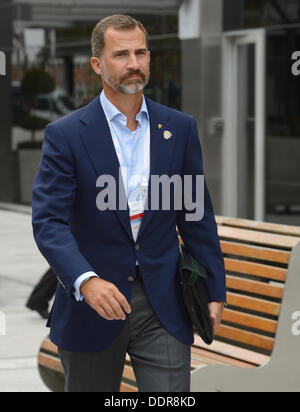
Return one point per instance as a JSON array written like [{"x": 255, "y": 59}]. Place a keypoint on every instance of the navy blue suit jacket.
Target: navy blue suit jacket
[{"x": 75, "y": 237}]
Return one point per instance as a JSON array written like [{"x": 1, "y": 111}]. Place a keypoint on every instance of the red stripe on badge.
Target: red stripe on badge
[{"x": 134, "y": 217}]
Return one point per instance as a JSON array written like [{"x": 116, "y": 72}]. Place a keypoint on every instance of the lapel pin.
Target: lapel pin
[
  {"x": 160, "y": 126},
  {"x": 167, "y": 135}
]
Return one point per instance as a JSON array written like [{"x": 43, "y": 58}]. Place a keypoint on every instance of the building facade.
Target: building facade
[
  {"x": 227, "y": 63},
  {"x": 247, "y": 102}
]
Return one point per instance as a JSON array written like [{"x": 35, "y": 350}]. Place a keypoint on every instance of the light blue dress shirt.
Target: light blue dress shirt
[{"x": 131, "y": 144}]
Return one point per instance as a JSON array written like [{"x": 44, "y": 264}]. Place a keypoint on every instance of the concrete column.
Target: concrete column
[
  {"x": 189, "y": 34},
  {"x": 191, "y": 78},
  {"x": 201, "y": 26},
  {"x": 8, "y": 160}
]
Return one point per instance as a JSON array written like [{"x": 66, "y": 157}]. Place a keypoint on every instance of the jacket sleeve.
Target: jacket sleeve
[
  {"x": 200, "y": 235},
  {"x": 54, "y": 191}
]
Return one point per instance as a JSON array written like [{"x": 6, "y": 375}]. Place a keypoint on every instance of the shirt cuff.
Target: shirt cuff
[{"x": 78, "y": 283}]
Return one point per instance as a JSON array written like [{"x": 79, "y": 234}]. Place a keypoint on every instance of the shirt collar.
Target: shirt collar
[{"x": 111, "y": 111}]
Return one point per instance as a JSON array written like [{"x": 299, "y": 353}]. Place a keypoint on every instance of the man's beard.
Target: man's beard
[
  {"x": 125, "y": 85},
  {"x": 135, "y": 86}
]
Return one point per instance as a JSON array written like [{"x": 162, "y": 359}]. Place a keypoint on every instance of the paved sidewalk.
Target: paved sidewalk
[{"x": 21, "y": 266}]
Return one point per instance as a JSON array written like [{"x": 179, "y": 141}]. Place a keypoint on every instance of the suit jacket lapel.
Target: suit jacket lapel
[
  {"x": 98, "y": 142},
  {"x": 161, "y": 151},
  {"x": 97, "y": 139}
]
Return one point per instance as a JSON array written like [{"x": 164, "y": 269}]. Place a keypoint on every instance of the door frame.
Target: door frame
[{"x": 230, "y": 165}]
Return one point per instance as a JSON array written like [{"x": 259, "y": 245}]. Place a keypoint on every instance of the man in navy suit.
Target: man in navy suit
[{"x": 119, "y": 289}]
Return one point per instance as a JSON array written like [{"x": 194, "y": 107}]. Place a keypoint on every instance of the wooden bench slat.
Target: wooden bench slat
[
  {"x": 254, "y": 322},
  {"x": 253, "y": 304},
  {"x": 255, "y": 269},
  {"x": 199, "y": 362},
  {"x": 209, "y": 358},
  {"x": 249, "y": 338},
  {"x": 128, "y": 373},
  {"x": 257, "y": 288},
  {"x": 256, "y": 252},
  {"x": 50, "y": 362},
  {"x": 261, "y": 226},
  {"x": 233, "y": 352},
  {"x": 203, "y": 361},
  {"x": 261, "y": 238},
  {"x": 221, "y": 219},
  {"x": 48, "y": 346},
  {"x": 125, "y": 387}
]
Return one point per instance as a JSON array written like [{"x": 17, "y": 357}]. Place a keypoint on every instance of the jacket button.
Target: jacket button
[
  {"x": 131, "y": 279},
  {"x": 137, "y": 247}
]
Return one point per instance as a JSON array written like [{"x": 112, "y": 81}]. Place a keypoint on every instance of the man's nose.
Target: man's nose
[{"x": 133, "y": 63}]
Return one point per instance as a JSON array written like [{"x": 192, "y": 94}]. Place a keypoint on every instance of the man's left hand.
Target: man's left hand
[{"x": 216, "y": 310}]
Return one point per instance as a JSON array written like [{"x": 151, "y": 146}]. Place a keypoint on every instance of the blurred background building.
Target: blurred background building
[{"x": 227, "y": 63}]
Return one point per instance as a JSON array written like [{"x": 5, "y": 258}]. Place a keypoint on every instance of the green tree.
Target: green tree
[{"x": 36, "y": 81}]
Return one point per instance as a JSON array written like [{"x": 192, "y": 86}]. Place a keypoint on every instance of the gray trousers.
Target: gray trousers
[{"x": 161, "y": 362}]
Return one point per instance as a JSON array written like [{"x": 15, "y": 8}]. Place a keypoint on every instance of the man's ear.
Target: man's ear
[{"x": 96, "y": 65}]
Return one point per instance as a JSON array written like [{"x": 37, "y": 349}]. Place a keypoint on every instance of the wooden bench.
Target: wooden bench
[{"x": 258, "y": 345}]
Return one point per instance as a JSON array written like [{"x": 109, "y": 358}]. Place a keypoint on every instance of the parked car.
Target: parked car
[{"x": 52, "y": 106}]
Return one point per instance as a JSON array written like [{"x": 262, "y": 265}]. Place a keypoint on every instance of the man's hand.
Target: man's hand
[
  {"x": 105, "y": 298},
  {"x": 216, "y": 310}
]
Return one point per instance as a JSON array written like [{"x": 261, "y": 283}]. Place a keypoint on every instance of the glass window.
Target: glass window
[
  {"x": 165, "y": 47},
  {"x": 283, "y": 88},
  {"x": 283, "y": 127},
  {"x": 257, "y": 13},
  {"x": 164, "y": 84}
]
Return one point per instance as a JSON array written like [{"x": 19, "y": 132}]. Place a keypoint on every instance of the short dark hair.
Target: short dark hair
[{"x": 117, "y": 21}]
